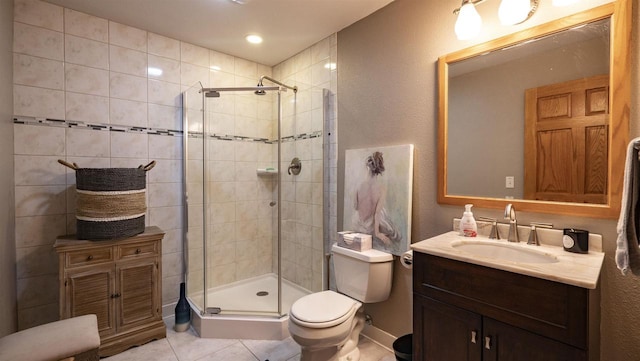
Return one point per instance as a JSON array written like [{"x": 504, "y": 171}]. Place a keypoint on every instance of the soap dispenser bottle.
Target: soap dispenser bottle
[{"x": 468, "y": 226}]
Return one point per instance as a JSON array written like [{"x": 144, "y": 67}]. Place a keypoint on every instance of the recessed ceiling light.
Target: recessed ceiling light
[
  {"x": 239, "y": 2},
  {"x": 215, "y": 68},
  {"x": 254, "y": 39}
]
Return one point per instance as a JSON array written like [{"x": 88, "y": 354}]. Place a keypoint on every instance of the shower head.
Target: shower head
[
  {"x": 260, "y": 92},
  {"x": 212, "y": 94}
]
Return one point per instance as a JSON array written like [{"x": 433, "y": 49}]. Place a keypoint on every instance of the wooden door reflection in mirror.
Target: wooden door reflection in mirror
[{"x": 566, "y": 141}]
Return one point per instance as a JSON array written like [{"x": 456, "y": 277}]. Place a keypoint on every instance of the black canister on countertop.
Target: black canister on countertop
[{"x": 575, "y": 240}]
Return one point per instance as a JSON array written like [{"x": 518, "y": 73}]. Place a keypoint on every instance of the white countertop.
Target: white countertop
[{"x": 582, "y": 270}]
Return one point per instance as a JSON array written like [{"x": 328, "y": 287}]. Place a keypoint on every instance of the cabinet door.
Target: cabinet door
[
  {"x": 444, "y": 332},
  {"x": 138, "y": 301},
  {"x": 91, "y": 291},
  {"x": 502, "y": 342}
]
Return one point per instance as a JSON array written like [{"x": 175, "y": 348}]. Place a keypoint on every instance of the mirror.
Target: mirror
[{"x": 505, "y": 111}]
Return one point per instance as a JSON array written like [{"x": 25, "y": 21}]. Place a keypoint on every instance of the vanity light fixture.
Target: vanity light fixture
[
  {"x": 513, "y": 12},
  {"x": 469, "y": 21},
  {"x": 510, "y": 12},
  {"x": 563, "y": 2}
]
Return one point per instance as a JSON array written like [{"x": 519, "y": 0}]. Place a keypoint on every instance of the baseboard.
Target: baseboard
[
  {"x": 379, "y": 336},
  {"x": 168, "y": 310}
]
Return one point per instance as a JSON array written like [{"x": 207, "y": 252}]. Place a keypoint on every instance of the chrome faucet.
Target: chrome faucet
[{"x": 510, "y": 214}]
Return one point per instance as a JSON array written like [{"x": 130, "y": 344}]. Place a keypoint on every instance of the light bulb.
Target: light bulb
[
  {"x": 564, "y": 2},
  {"x": 469, "y": 22},
  {"x": 514, "y": 11}
]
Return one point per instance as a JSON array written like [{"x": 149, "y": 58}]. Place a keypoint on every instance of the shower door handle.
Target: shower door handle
[{"x": 295, "y": 167}]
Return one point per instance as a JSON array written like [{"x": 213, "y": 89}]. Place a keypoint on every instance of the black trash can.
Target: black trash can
[{"x": 403, "y": 347}]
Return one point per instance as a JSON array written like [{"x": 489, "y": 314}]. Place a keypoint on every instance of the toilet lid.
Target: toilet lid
[{"x": 322, "y": 307}]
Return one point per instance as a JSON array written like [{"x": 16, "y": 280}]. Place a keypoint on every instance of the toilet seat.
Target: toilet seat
[{"x": 323, "y": 309}]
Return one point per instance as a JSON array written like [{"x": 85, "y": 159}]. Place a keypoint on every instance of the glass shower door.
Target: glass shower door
[
  {"x": 193, "y": 145},
  {"x": 240, "y": 192}
]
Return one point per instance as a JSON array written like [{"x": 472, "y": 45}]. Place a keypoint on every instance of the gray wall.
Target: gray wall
[
  {"x": 387, "y": 82},
  {"x": 8, "y": 317}
]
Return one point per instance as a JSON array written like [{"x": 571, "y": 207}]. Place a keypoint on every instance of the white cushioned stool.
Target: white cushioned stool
[{"x": 74, "y": 339}]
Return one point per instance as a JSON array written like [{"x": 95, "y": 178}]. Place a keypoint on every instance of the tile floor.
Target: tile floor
[{"x": 187, "y": 346}]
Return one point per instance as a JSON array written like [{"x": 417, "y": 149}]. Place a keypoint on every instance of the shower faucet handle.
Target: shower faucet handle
[{"x": 295, "y": 167}]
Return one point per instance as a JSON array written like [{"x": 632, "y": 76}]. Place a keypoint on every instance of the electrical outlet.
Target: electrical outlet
[{"x": 509, "y": 182}]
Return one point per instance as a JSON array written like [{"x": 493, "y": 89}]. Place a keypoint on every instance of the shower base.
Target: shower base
[{"x": 246, "y": 312}]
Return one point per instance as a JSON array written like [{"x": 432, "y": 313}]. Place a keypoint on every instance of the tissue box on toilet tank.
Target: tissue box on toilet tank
[{"x": 355, "y": 241}]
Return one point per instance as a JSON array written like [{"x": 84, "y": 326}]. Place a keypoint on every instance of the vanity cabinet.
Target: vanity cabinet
[
  {"x": 465, "y": 312},
  {"x": 119, "y": 281}
]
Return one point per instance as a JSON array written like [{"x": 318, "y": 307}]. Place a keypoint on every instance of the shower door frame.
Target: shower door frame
[{"x": 185, "y": 124}]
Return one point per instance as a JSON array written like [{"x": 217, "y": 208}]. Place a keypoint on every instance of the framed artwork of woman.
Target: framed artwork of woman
[{"x": 378, "y": 191}]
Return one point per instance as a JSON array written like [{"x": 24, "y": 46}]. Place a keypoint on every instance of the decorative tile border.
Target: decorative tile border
[
  {"x": 93, "y": 126},
  {"x": 240, "y": 138},
  {"x": 154, "y": 131}
]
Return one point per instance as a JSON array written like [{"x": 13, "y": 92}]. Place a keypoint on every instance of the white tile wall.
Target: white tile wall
[
  {"x": 87, "y": 52},
  {"x": 38, "y": 72},
  {"x": 303, "y": 235},
  {"x": 38, "y": 102},
  {"x": 86, "y": 80},
  {"x": 88, "y": 26},
  {"x": 32, "y": 40},
  {"x": 73, "y": 66},
  {"x": 85, "y": 106}
]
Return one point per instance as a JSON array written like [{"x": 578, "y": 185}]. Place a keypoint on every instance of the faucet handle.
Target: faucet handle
[
  {"x": 533, "y": 235},
  {"x": 494, "y": 234}
]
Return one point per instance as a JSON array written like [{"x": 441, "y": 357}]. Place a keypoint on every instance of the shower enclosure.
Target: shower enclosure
[{"x": 254, "y": 176}]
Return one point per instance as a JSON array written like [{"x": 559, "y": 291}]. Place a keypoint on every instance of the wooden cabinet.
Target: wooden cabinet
[
  {"x": 468, "y": 312},
  {"x": 120, "y": 281},
  {"x": 453, "y": 333}
]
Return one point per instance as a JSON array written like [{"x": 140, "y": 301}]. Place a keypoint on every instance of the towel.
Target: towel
[{"x": 627, "y": 251}]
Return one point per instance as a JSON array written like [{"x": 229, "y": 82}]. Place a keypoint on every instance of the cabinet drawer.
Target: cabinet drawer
[
  {"x": 137, "y": 250},
  {"x": 89, "y": 256}
]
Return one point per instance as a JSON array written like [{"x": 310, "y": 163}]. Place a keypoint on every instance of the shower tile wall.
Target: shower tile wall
[
  {"x": 303, "y": 239},
  {"x": 242, "y": 225},
  {"x": 88, "y": 73}
]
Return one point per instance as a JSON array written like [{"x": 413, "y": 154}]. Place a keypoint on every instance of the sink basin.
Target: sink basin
[{"x": 504, "y": 251}]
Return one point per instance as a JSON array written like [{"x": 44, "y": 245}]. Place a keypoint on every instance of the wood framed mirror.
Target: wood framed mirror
[{"x": 499, "y": 118}]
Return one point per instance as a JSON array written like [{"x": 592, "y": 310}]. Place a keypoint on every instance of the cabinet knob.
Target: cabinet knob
[
  {"x": 474, "y": 336},
  {"x": 487, "y": 343},
  {"x": 138, "y": 250},
  {"x": 89, "y": 258},
  {"x": 115, "y": 295}
]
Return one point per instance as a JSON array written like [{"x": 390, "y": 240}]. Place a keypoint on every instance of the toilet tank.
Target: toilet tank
[{"x": 365, "y": 276}]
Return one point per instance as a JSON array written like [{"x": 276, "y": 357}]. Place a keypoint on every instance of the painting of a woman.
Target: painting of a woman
[
  {"x": 378, "y": 184},
  {"x": 371, "y": 216}
]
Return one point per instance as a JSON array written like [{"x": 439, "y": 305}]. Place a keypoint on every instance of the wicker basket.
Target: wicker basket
[{"x": 110, "y": 202}]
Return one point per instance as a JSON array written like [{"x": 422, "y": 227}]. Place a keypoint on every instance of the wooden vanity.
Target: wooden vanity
[{"x": 463, "y": 311}]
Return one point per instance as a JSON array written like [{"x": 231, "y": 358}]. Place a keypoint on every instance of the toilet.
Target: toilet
[{"x": 327, "y": 324}]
